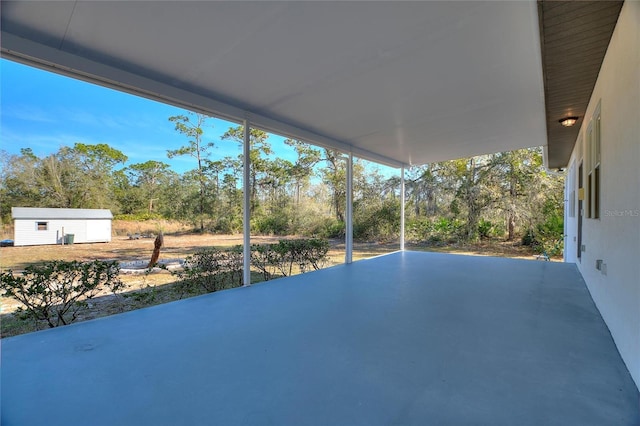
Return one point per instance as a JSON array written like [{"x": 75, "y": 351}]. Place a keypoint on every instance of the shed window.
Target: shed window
[{"x": 42, "y": 226}]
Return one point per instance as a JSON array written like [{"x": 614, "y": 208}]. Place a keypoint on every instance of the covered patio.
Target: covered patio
[
  {"x": 404, "y": 339},
  {"x": 408, "y": 338}
]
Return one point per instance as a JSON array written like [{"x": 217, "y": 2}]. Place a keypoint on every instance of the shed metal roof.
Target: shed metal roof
[{"x": 40, "y": 213}]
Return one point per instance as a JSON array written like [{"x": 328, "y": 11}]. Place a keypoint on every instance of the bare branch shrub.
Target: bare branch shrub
[{"x": 57, "y": 291}]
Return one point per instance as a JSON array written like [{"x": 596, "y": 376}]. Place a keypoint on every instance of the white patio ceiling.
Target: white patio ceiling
[{"x": 396, "y": 82}]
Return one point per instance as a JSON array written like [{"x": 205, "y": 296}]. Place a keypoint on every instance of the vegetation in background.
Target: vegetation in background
[
  {"x": 503, "y": 195},
  {"x": 499, "y": 196},
  {"x": 199, "y": 150}
]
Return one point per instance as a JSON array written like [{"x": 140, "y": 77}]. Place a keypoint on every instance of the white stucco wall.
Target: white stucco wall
[
  {"x": 570, "y": 221},
  {"x": 615, "y": 236},
  {"x": 84, "y": 231}
]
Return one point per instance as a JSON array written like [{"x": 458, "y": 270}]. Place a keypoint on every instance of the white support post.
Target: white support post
[
  {"x": 348, "y": 252},
  {"x": 402, "y": 199},
  {"x": 246, "y": 191}
]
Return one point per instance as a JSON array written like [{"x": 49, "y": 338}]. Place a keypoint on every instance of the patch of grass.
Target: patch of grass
[
  {"x": 123, "y": 228},
  {"x": 12, "y": 325}
]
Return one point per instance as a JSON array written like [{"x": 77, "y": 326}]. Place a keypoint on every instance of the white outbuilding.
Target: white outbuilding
[{"x": 39, "y": 226}]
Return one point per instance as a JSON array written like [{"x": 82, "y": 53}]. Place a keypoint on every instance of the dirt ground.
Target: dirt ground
[
  {"x": 124, "y": 249},
  {"x": 144, "y": 290}
]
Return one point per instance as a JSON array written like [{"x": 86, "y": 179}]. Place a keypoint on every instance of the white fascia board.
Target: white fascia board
[
  {"x": 545, "y": 162},
  {"x": 545, "y": 157},
  {"x": 38, "y": 55}
]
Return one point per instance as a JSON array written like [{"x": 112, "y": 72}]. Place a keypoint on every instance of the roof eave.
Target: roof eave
[{"x": 568, "y": 84}]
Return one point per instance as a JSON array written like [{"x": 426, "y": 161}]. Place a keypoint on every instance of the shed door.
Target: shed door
[{"x": 98, "y": 230}]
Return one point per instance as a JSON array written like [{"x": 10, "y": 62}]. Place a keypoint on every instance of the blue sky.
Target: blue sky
[{"x": 44, "y": 111}]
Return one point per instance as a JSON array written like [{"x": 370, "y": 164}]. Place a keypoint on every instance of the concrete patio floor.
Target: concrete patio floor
[{"x": 404, "y": 339}]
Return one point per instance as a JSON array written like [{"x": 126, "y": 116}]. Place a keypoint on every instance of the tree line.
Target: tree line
[{"x": 507, "y": 195}]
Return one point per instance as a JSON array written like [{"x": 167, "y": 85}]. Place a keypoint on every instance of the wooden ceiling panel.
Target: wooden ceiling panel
[{"x": 574, "y": 37}]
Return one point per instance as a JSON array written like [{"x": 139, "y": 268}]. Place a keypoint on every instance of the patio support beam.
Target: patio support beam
[
  {"x": 246, "y": 192},
  {"x": 402, "y": 200},
  {"x": 348, "y": 246}
]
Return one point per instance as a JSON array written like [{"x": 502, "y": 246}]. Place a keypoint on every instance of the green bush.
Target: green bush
[
  {"x": 271, "y": 225},
  {"x": 138, "y": 216},
  {"x": 336, "y": 229},
  {"x": 308, "y": 253},
  {"x": 227, "y": 225},
  {"x": 438, "y": 230},
  {"x": 377, "y": 221},
  {"x": 547, "y": 236},
  {"x": 443, "y": 226},
  {"x": 219, "y": 269},
  {"x": 281, "y": 258},
  {"x": 57, "y": 291},
  {"x": 484, "y": 229},
  {"x": 265, "y": 258},
  {"x": 550, "y": 233},
  {"x": 552, "y": 228},
  {"x": 498, "y": 230},
  {"x": 419, "y": 229},
  {"x": 326, "y": 227},
  {"x": 210, "y": 270},
  {"x": 446, "y": 229},
  {"x": 529, "y": 239}
]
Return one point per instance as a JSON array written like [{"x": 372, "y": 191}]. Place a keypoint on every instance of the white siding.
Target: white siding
[
  {"x": 614, "y": 238},
  {"x": 27, "y": 234},
  {"x": 98, "y": 230},
  {"x": 85, "y": 231}
]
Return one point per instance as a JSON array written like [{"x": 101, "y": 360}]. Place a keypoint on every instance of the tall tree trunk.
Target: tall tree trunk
[
  {"x": 157, "y": 244},
  {"x": 432, "y": 203},
  {"x": 511, "y": 220},
  {"x": 201, "y": 208},
  {"x": 472, "y": 216},
  {"x": 511, "y": 225},
  {"x": 201, "y": 182},
  {"x": 252, "y": 193}
]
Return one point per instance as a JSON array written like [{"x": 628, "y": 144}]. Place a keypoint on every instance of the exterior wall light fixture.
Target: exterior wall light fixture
[{"x": 568, "y": 121}]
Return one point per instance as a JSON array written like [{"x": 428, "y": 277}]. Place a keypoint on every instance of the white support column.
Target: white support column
[
  {"x": 246, "y": 191},
  {"x": 402, "y": 199},
  {"x": 348, "y": 252}
]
